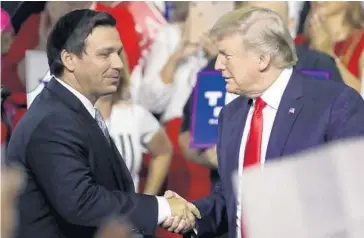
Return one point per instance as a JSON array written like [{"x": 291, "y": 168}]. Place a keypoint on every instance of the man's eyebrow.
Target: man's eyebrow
[
  {"x": 223, "y": 52},
  {"x": 111, "y": 49}
]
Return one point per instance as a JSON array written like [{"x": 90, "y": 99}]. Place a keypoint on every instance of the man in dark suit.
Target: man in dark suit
[
  {"x": 279, "y": 112},
  {"x": 76, "y": 179},
  {"x": 308, "y": 59}
]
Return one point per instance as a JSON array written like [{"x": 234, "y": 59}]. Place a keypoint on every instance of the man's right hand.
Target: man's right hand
[
  {"x": 182, "y": 208},
  {"x": 176, "y": 222}
]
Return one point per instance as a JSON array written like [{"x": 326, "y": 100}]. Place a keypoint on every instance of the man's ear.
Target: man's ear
[
  {"x": 68, "y": 60},
  {"x": 264, "y": 61}
]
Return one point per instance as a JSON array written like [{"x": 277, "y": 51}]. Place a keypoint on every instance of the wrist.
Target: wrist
[{"x": 175, "y": 57}]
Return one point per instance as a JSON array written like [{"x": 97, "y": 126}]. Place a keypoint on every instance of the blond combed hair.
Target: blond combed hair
[{"x": 262, "y": 31}]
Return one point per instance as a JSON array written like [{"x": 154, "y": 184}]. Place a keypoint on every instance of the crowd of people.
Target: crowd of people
[{"x": 147, "y": 116}]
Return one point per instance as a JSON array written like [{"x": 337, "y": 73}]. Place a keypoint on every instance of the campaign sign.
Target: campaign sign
[
  {"x": 208, "y": 100},
  {"x": 317, "y": 73}
]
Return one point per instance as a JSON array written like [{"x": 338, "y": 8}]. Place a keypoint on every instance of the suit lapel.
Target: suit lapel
[
  {"x": 235, "y": 133},
  {"x": 110, "y": 152},
  {"x": 123, "y": 176},
  {"x": 290, "y": 107}
]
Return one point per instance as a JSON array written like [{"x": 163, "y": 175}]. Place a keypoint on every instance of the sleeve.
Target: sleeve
[
  {"x": 148, "y": 125},
  {"x": 187, "y": 112},
  {"x": 213, "y": 220},
  {"x": 58, "y": 158},
  {"x": 154, "y": 93},
  {"x": 347, "y": 115}
]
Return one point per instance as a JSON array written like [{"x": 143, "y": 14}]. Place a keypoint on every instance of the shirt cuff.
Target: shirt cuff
[
  {"x": 164, "y": 210},
  {"x": 194, "y": 234}
]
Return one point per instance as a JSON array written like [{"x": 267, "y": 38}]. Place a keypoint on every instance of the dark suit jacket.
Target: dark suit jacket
[
  {"x": 313, "y": 59},
  {"x": 75, "y": 179},
  {"x": 324, "y": 111}
]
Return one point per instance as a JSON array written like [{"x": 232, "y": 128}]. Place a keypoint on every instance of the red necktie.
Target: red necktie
[{"x": 254, "y": 143}]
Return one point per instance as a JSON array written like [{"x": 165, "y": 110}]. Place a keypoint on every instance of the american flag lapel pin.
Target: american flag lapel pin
[{"x": 291, "y": 110}]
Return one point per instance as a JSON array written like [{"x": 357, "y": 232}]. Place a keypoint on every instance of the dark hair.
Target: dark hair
[{"x": 70, "y": 33}]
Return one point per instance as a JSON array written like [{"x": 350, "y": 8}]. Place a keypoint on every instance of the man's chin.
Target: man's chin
[{"x": 231, "y": 90}]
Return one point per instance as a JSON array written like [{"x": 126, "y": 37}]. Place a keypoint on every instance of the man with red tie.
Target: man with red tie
[{"x": 279, "y": 111}]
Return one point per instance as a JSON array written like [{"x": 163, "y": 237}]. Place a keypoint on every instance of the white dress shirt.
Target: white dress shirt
[
  {"x": 164, "y": 210},
  {"x": 272, "y": 97}
]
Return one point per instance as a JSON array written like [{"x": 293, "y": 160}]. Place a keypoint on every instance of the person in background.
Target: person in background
[
  {"x": 337, "y": 28},
  {"x": 170, "y": 68},
  {"x": 307, "y": 59},
  {"x": 7, "y": 32},
  {"x": 134, "y": 130},
  {"x": 33, "y": 35}
]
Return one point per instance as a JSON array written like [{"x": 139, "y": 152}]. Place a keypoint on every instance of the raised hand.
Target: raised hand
[{"x": 181, "y": 224}]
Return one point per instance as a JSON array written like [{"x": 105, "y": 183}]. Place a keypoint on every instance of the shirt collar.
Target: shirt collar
[
  {"x": 86, "y": 103},
  {"x": 273, "y": 95}
]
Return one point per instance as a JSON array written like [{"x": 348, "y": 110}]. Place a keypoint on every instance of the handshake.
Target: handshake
[{"x": 183, "y": 215}]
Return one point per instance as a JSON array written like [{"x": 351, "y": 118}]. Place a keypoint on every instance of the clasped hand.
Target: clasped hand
[{"x": 183, "y": 215}]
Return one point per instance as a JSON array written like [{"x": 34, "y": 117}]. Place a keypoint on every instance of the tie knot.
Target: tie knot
[{"x": 259, "y": 104}]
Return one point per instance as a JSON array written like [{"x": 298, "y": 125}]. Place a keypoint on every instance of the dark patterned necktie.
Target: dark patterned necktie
[{"x": 100, "y": 121}]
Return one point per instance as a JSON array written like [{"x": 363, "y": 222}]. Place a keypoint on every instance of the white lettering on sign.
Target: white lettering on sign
[
  {"x": 213, "y": 121},
  {"x": 213, "y": 96},
  {"x": 217, "y": 111}
]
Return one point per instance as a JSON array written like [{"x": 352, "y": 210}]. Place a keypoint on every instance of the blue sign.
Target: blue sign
[{"x": 208, "y": 100}]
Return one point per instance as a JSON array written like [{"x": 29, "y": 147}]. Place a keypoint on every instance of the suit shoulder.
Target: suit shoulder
[
  {"x": 324, "y": 88},
  {"x": 303, "y": 49}
]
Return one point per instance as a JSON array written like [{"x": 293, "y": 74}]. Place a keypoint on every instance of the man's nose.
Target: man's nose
[
  {"x": 219, "y": 65},
  {"x": 117, "y": 62}
]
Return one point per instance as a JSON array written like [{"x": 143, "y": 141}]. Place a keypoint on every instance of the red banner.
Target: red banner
[{"x": 147, "y": 22}]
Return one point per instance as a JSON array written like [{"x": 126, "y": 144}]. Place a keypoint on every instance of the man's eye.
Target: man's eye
[
  {"x": 228, "y": 57},
  {"x": 104, "y": 54}
]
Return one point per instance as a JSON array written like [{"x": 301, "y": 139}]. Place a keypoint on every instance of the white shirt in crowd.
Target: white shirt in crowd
[
  {"x": 132, "y": 127},
  {"x": 163, "y": 206},
  {"x": 272, "y": 97},
  {"x": 151, "y": 92}
]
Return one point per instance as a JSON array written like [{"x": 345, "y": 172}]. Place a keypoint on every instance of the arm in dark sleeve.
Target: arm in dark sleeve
[
  {"x": 58, "y": 158},
  {"x": 347, "y": 115},
  {"x": 213, "y": 208}
]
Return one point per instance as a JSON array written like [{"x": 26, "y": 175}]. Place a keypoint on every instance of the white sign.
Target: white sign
[
  {"x": 36, "y": 72},
  {"x": 318, "y": 194}
]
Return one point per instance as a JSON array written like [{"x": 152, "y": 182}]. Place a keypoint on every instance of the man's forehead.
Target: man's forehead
[
  {"x": 104, "y": 37},
  {"x": 228, "y": 39}
]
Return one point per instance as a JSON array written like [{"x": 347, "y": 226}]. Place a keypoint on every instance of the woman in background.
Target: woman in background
[
  {"x": 135, "y": 130},
  {"x": 337, "y": 28},
  {"x": 170, "y": 69}
]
